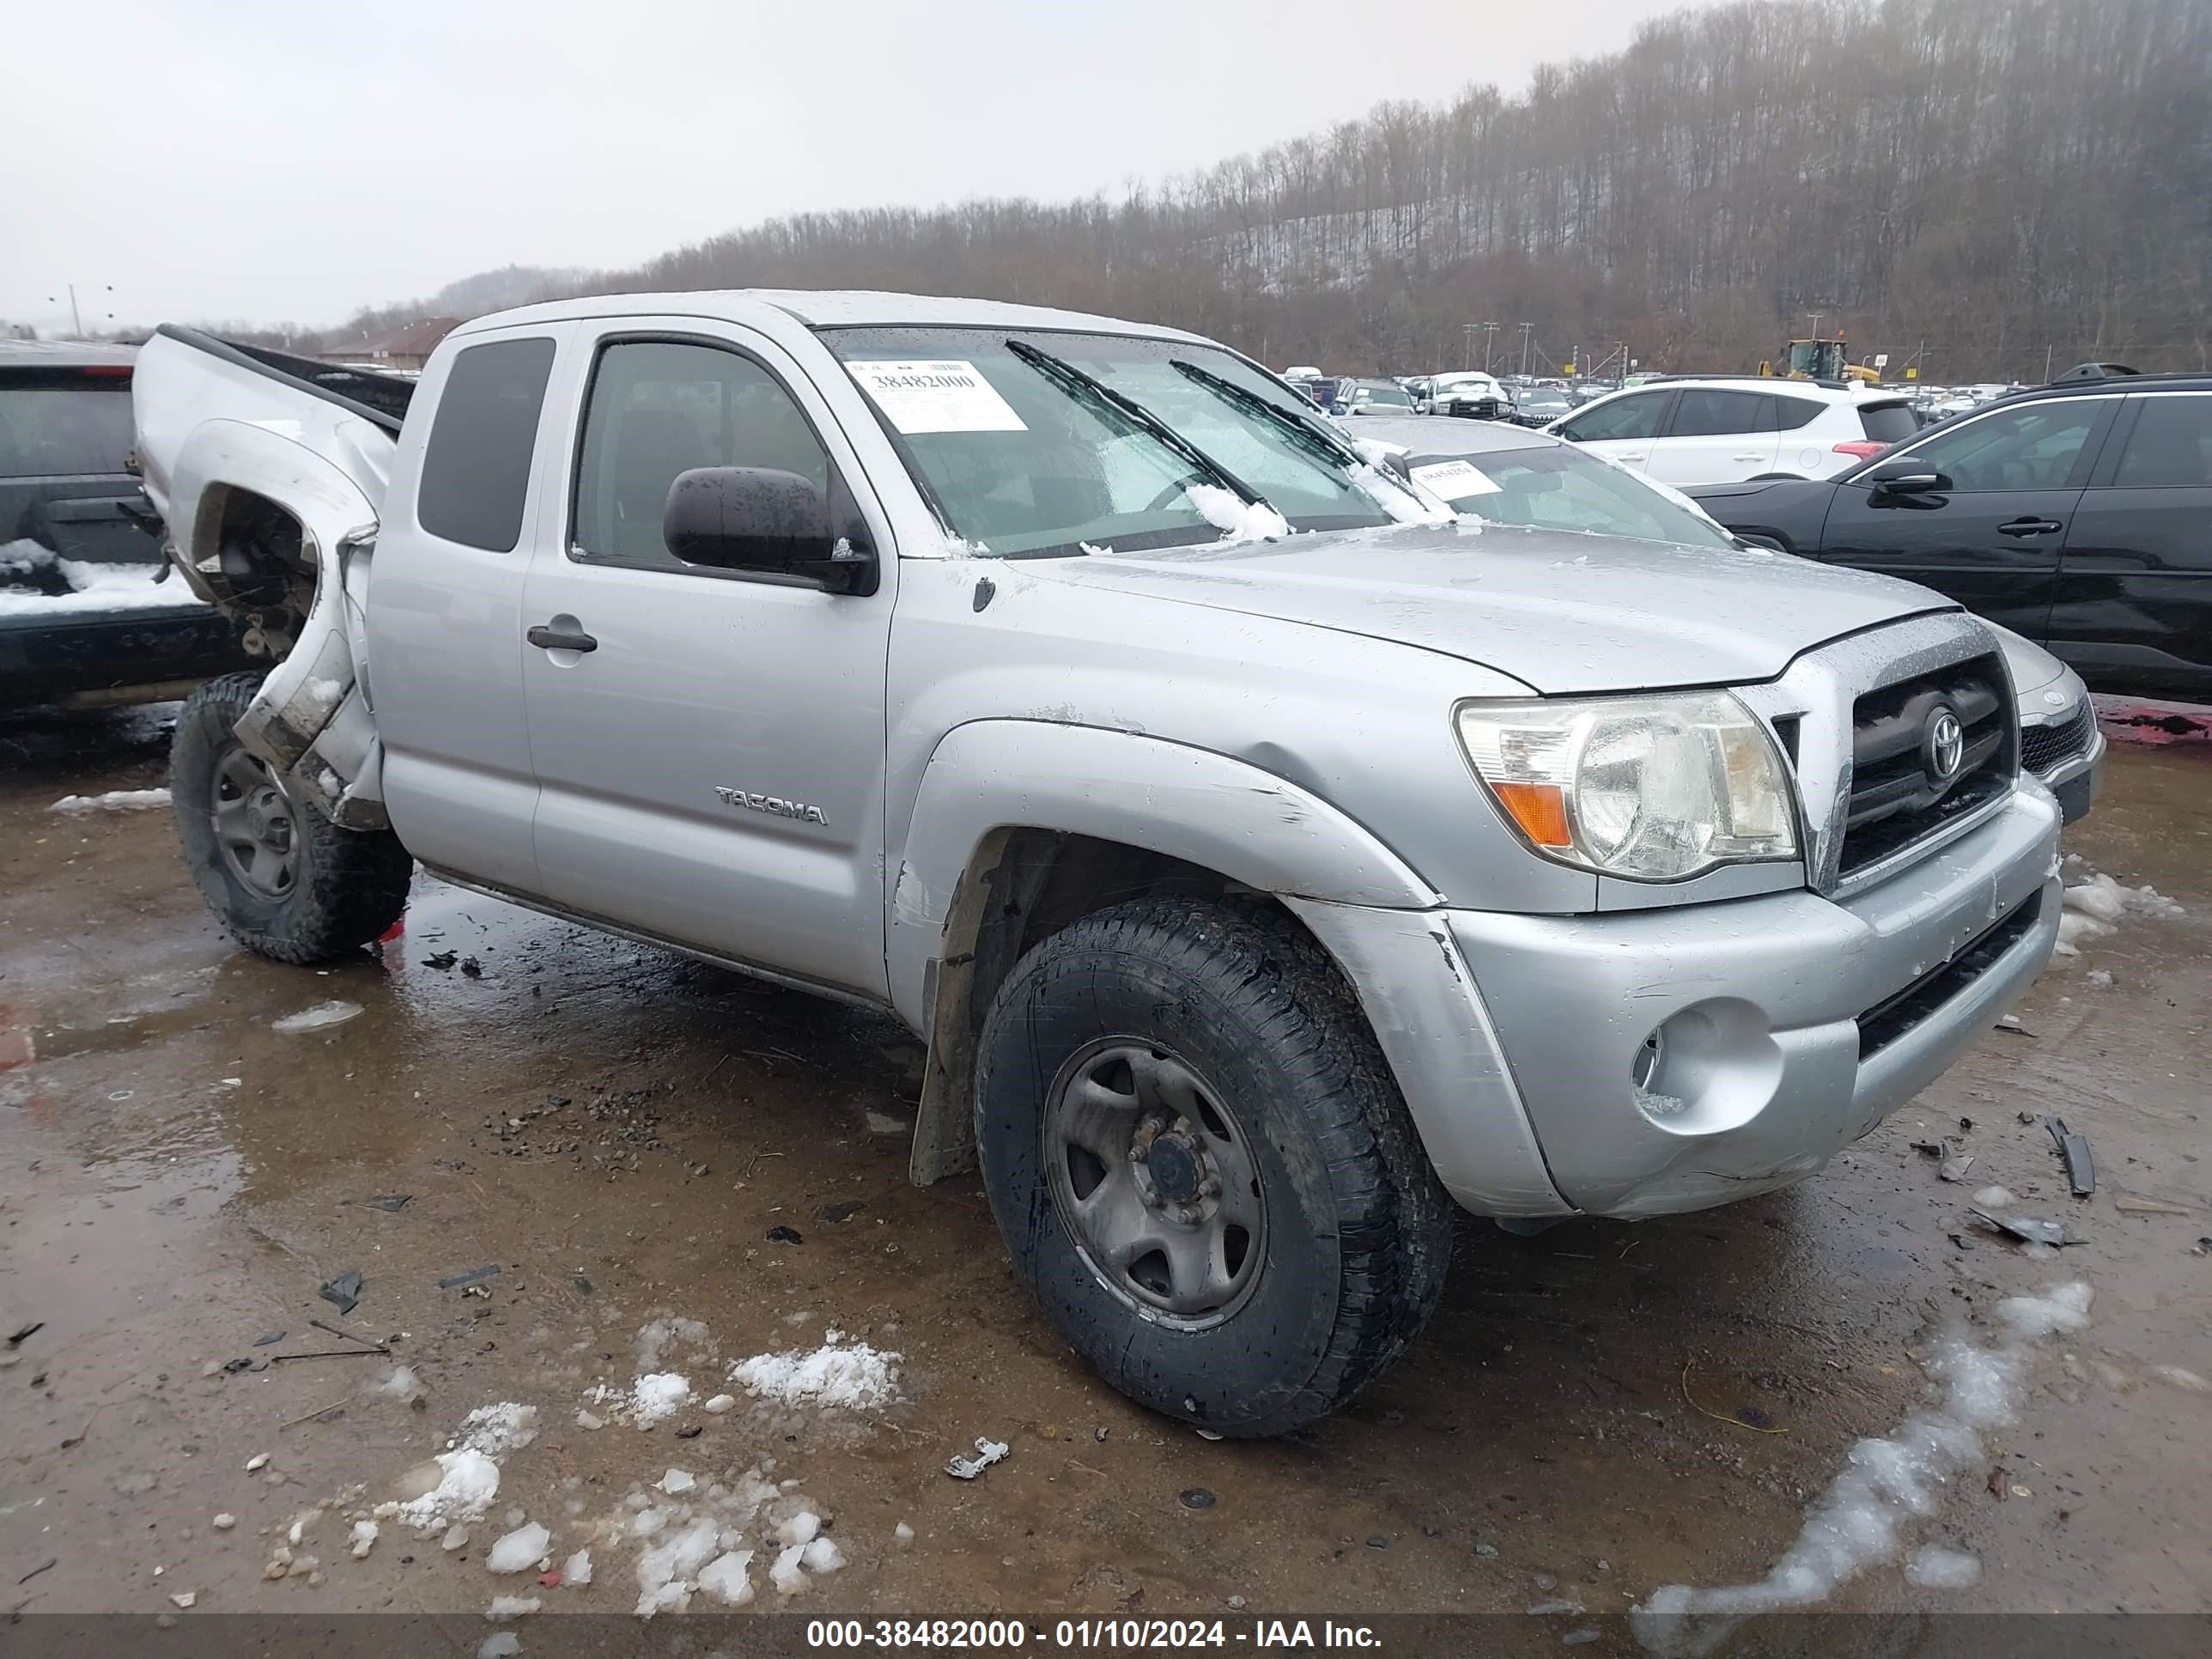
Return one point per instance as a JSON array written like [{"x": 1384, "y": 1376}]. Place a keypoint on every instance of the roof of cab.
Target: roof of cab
[{"x": 823, "y": 309}]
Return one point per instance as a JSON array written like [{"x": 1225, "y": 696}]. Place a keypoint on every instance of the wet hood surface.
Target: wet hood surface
[{"x": 1559, "y": 612}]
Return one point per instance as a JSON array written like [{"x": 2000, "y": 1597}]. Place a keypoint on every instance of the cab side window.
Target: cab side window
[
  {"x": 658, "y": 408},
  {"x": 476, "y": 464},
  {"x": 1633, "y": 417}
]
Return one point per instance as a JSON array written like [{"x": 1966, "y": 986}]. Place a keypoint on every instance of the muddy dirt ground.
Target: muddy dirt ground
[{"x": 1596, "y": 1412}]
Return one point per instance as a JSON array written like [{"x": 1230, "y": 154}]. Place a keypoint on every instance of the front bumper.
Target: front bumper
[{"x": 1791, "y": 1023}]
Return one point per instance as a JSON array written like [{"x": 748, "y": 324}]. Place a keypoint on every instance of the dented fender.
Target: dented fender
[
  {"x": 210, "y": 429},
  {"x": 1167, "y": 798}
]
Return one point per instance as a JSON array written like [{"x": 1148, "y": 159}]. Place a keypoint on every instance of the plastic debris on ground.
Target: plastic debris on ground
[
  {"x": 504, "y": 1608},
  {"x": 987, "y": 1452},
  {"x": 2028, "y": 1229},
  {"x": 115, "y": 800},
  {"x": 321, "y": 1017},
  {"x": 343, "y": 1292}
]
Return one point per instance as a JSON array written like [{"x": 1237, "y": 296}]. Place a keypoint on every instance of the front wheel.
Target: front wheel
[
  {"x": 286, "y": 881},
  {"x": 1202, "y": 1167}
]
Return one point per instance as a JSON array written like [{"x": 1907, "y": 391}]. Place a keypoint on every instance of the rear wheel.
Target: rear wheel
[
  {"x": 1202, "y": 1167},
  {"x": 286, "y": 881}
]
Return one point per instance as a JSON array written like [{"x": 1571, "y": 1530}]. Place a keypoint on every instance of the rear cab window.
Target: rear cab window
[
  {"x": 476, "y": 466},
  {"x": 63, "y": 423}
]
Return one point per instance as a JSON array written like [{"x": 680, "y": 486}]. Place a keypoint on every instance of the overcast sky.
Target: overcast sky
[{"x": 267, "y": 161}]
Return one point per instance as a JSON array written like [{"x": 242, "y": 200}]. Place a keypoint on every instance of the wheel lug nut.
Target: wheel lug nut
[
  {"x": 1210, "y": 1188},
  {"x": 1140, "y": 1152}
]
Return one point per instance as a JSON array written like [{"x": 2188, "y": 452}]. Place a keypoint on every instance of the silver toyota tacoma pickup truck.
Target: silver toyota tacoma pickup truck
[{"x": 1270, "y": 855}]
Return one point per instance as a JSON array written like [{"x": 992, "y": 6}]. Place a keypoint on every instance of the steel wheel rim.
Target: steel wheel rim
[
  {"x": 1155, "y": 1180},
  {"x": 255, "y": 824}
]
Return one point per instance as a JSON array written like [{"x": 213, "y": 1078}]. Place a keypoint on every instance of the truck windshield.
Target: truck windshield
[{"x": 1021, "y": 457}]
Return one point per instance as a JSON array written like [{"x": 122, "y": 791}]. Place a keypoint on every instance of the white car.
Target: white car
[{"x": 1725, "y": 430}]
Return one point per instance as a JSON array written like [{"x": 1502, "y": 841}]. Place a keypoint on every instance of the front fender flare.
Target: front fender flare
[{"x": 1207, "y": 809}]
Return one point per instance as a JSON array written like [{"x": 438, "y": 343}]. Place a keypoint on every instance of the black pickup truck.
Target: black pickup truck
[{"x": 83, "y": 620}]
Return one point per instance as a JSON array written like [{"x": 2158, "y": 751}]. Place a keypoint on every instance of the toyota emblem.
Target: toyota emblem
[{"x": 1947, "y": 745}]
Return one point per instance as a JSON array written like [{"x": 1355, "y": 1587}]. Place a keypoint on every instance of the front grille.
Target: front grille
[
  {"x": 2046, "y": 748},
  {"x": 1896, "y": 798},
  {"x": 1887, "y": 1021}
]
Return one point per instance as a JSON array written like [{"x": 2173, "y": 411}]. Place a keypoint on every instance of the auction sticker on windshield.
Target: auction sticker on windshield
[
  {"x": 1455, "y": 480},
  {"x": 939, "y": 396}
]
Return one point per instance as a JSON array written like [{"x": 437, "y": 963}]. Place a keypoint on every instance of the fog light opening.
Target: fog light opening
[{"x": 1646, "y": 1073}]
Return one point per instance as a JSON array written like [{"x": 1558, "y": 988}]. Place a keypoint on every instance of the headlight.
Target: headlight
[{"x": 1651, "y": 788}]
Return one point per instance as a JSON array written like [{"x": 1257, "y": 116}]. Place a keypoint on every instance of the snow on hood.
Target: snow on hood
[{"x": 1560, "y": 611}]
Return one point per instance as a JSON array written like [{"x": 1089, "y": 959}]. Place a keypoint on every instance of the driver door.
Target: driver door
[
  {"x": 1990, "y": 538},
  {"x": 710, "y": 764}
]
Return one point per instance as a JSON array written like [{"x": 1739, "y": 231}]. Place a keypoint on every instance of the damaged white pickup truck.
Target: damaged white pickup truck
[{"x": 1268, "y": 856}]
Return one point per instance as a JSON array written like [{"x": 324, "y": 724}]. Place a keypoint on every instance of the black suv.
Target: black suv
[
  {"x": 2078, "y": 514},
  {"x": 82, "y": 619}
]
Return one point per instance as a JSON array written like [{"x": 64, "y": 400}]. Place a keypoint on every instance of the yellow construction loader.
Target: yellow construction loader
[{"x": 1820, "y": 360}]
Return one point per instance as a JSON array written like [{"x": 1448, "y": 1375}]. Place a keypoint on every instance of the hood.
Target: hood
[
  {"x": 1560, "y": 613},
  {"x": 2032, "y": 668}
]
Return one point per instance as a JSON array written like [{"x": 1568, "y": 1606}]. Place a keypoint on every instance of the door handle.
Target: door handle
[
  {"x": 2030, "y": 527},
  {"x": 1755, "y": 455},
  {"x": 560, "y": 639}
]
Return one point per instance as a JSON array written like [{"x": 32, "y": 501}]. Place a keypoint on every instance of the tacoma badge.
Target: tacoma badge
[{"x": 775, "y": 804}]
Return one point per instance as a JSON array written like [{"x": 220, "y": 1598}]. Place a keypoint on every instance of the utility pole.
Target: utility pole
[
  {"x": 2047, "y": 350},
  {"x": 1467, "y": 330},
  {"x": 1489, "y": 335},
  {"x": 1525, "y": 329}
]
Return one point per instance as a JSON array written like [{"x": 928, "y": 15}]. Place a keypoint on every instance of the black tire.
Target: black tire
[
  {"x": 346, "y": 887},
  {"x": 1357, "y": 1229}
]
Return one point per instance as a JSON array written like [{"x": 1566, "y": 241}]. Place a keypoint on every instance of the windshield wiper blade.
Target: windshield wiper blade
[
  {"x": 1308, "y": 435},
  {"x": 1069, "y": 378}
]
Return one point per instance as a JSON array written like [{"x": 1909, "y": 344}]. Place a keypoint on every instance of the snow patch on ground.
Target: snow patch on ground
[
  {"x": 1237, "y": 521},
  {"x": 495, "y": 1430},
  {"x": 1884, "y": 1485},
  {"x": 1934, "y": 1567},
  {"x": 854, "y": 1377},
  {"x": 316, "y": 1018},
  {"x": 468, "y": 1483},
  {"x": 2096, "y": 908},
  {"x": 653, "y": 1398},
  {"x": 115, "y": 800}
]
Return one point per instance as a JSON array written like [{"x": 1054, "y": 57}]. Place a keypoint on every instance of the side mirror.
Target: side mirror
[
  {"x": 771, "y": 523},
  {"x": 1905, "y": 477}
]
